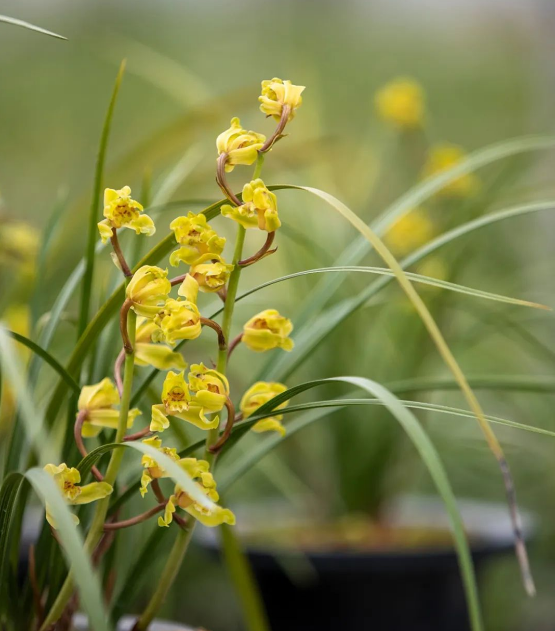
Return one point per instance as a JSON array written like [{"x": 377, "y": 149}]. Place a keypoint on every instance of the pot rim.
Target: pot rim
[{"x": 487, "y": 523}]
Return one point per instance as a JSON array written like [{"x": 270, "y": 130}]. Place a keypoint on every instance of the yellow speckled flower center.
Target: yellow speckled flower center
[
  {"x": 71, "y": 491},
  {"x": 122, "y": 214}
]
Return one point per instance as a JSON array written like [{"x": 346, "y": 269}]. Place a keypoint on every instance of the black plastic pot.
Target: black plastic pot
[{"x": 409, "y": 590}]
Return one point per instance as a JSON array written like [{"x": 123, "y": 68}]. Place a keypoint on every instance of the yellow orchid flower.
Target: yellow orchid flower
[
  {"x": 266, "y": 330},
  {"x": 147, "y": 290},
  {"x": 443, "y": 157},
  {"x": 68, "y": 482},
  {"x": 97, "y": 403},
  {"x": 401, "y": 103},
  {"x": 410, "y": 232},
  {"x": 199, "y": 471},
  {"x": 277, "y": 93},
  {"x": 195, "y": 237},
  {"x": 152, "y": 470},
  {"x": 240, "y": 145},
  {"x": 123, "y": 212},
  {"x": 210, "y": 388},
  {"x": 19, "y": 245},
  {"x": 211, "y": 272},
  {"x": 177, "y": 320},
  {"x": 259, "y": 209},
  {"x": 178, "y": 402},
  {"x": 158, "y": 355},
  {"x": 257, "y": 395}
]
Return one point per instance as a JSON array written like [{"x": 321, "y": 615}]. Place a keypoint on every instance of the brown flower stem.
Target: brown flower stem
[
  {"x": 234, "y": 342},
  {"x": 177, "y": 280},
  {"x": 228, "y": 427},
  {"x": 222, "y": 182},
  {"x": 222, "y": 344},
  {"x": 117, "y": 371},
  {"x": 117, "y": 251},
  {"x": 77, "y": 429},
  {"x": 126, "y": 523},
  {"x": 264, "y": 251},
  {"x": 279, "y": 130},
  {"x": 128, "y": 347},
  {"x": 37, "y": 599},
  {"x": 137, "y": 435},
  {"x": 155, "y": 484}
]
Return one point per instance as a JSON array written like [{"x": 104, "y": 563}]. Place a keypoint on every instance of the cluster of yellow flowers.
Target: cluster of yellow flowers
[
  {"x": 402, "y": 104},
  {"x": 163, "y": 321}
]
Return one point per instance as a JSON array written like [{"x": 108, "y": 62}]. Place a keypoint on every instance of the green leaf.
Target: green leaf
[
  {"x": 40, "y": 286},
  {"x": 429, "y": 456},
  {"x": 92, "y": 235},
  {"x": 414, "y": 197},
  {"x": 86, "y": 579},
  {"x": 40, "y": 352},
  {"x": 32, "y": 418},
  {"x": 417, "y": 278},
  {"x": 308, "y": 336},
  {"x": 9, "y": 493},
  {"x": 451, "y": 363},
  {"x": 30, "y": 27},
  {"x": 136, "y": 575},
  {"x": 46, "y": 488},
  {"x": 174, "y": 470}
]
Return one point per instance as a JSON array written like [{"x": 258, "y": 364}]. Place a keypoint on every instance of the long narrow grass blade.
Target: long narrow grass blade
[
  {"x": 173, "y": 469},
  {"x": 453, "y": 366},
  {"x": 413, "y": 405},
  {"x": 29, "y": 26},
  {"x": 417, "y": 278},
  {"x": 414, "y": 197},
  {"x": 86, "y": 579},
  {"x": 50, "y": 230},
  {"x": 430, "y": 458},
  {"x": 32, "y": 418},
  {"x": 307, "y": 337},
  {"x": 518, "y": 383},
  {"x": 92, "y": 235},
  {"x": 54, "y": 363}
]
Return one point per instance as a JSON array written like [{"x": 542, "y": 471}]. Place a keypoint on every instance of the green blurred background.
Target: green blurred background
[{"x": 487, "y": 72}]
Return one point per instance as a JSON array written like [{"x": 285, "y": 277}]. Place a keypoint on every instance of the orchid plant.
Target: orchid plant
[{"x": 158, "y": 314}]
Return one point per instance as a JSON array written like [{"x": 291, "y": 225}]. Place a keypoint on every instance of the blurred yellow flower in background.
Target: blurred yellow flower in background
[
  {"x": 410, "y": 232},
  {"x": 444, "y": 156},
  {"x": 17, "y": 318},
  {"x": 401, "y": 102}
]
